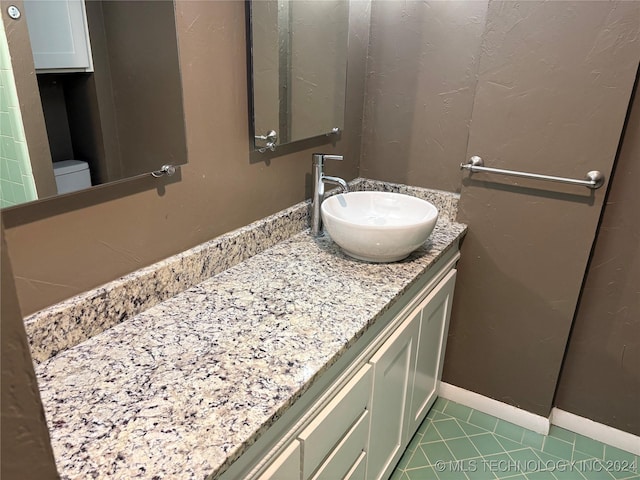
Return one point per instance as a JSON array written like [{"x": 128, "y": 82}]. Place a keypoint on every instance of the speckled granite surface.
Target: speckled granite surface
[
  {"x": 183, "y": 388},
  {"x": 73, "y": 321},
  {"x": 445, "y": 202}
]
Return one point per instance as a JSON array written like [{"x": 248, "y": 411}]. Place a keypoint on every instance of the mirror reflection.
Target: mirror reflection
[
  {"x": 298, "y": 53},
  {"x": 109, "y": 90}
]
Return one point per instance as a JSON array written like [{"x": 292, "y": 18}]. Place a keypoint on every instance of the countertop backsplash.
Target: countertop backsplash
[{"x": 73, "y": 321}]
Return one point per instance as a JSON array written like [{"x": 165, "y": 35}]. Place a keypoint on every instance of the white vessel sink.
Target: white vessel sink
[{"x": 378, "y": 226}]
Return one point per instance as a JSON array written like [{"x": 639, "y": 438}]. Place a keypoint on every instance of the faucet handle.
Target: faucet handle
[{"x": 319, "y": 158}]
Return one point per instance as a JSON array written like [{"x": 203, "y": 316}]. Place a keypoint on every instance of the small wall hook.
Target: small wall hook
[
  {"x": 167, "y": 170},
  {"x": 271, "y": 138}
]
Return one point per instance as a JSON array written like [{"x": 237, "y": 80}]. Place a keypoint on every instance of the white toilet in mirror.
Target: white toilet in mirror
[{"x": 71, "y": 175}]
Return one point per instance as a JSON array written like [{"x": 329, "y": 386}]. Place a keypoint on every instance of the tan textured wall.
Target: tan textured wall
[
  {"x": 421, "y": 81},
  {"x": 553, "y": 83},
  {"x": 95, "y": 236},
  {"x": 25, "y": 449},
  {"x": 600, "y": 378}
]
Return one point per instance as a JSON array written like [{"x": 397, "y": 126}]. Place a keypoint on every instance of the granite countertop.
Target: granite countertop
[{"x": 182, "y": 389}]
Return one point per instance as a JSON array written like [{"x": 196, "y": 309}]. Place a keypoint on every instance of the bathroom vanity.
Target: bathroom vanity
[
  {"x": 358, "y": 425},
  {"x": 280, "y": 357}
]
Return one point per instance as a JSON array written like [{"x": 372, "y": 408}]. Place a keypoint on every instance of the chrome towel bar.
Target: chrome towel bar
[{"x": 595, "y": 178}]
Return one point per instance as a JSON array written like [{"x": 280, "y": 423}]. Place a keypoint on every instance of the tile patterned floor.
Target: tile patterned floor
[{"x": 458, "y": 443}]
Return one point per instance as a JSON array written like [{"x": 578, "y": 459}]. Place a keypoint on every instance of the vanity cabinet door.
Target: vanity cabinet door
[
  {"x": 432, "y": 340},
  {"x": 286, "y": 466},
  {"x": 59, "y": 35},
  {"x": 392, "y": 365}
]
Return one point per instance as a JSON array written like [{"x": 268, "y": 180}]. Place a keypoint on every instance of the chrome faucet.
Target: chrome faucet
[{"x": 319, "y": 179}]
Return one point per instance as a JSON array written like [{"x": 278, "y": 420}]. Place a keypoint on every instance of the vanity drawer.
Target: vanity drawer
[
  {"x": 286, "y": 466},
  {"x": 336, "y": 420},
  {"x": 359, "y": 469},
  {"x": 345, "y": 456}
]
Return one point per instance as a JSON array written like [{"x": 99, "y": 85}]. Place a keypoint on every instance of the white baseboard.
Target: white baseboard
[
  {"x": 598, "y": 431},
  {"x": 503, "y": 411},
  {"x": 569, "y": 421}
]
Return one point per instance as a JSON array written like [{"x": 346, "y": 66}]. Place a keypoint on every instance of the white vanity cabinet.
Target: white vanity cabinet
[
  {"x": 392, "y": 376},
  {"x": 406, "y": 372},
  {"x": 59, "y": 35},
  {"x": 357, "y": 425},
  {"x": 333, "y": 444},
  {"x": 334, "y": 440},
  {"x": 286, "y": 466},
  {"x": 347, "y": 461},
  {"x": 435, "y": 311}
]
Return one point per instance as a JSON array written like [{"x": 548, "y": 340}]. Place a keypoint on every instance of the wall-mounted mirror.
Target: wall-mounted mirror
[
  {"x": 109, "y": 87},
  {"x": 298, "y": 69}
]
